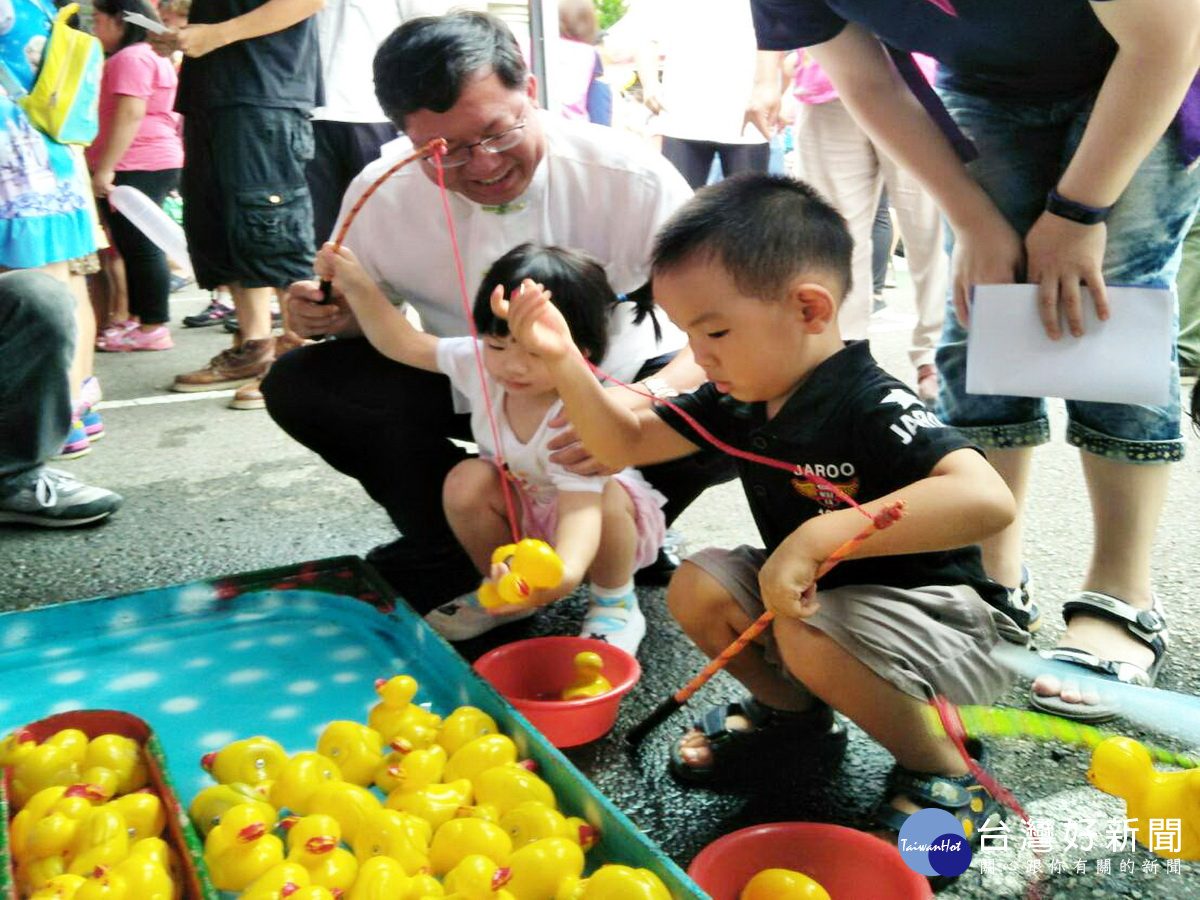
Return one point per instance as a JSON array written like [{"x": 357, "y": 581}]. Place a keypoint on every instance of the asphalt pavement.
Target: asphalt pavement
[{"x": 211, "y": 491}]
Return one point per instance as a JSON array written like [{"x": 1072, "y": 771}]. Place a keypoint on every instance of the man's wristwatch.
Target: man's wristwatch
[
  {"x": 1060, "y": 206},
  {"x": 658, "y": 388}
]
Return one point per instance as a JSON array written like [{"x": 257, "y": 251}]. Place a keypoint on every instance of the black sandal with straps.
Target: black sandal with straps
[
  {"x": 1148, "y": 626},
  {"x": 962, "y": 796},
  {"x": 774, "y": 734}
]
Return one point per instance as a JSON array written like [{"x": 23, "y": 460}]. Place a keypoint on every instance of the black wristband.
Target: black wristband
[{"x": 1060, "y": 206}]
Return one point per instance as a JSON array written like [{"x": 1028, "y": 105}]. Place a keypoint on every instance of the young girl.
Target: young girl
[
  {"x": 138, "y": 145},
  {"x": 604, "y": 528}
]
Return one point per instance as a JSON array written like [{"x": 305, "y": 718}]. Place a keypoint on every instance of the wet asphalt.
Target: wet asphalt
[{"x": 211, "y": 491}]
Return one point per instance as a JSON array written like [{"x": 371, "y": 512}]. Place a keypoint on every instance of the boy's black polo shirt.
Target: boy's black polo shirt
[{"x": 856, "y": 426}]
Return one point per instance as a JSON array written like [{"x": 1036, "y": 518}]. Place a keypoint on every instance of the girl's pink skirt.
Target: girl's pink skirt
[{"x": 540, "y": 517}]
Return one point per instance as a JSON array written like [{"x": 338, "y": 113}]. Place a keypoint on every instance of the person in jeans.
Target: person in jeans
[
  {"x": 1086, "y": 120},
  {"x": 37, "y": 343},
  {"x": 139, "y": 146}
]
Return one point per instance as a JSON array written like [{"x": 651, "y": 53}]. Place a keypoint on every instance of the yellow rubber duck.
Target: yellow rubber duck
[
  {"x": 582, "y": 832},
  {"x": 61, "y": 887},
  {"x": 424, "y": 887},
  {"x": 464, "y": 724},
  {"x": 539, "y": 867},
  {"x": 380, "y": 878},
  {"x": 122, "y": 755},
  {"x": 108, "y": 885},
  {"x": 50, "y": 834},
  {"x": 533, "y": 820},
  {"x": 145, "y": 872},
  {"x": 144, "y": 814},
  {"x": 614, "y": 882},
  {"x": 297, "y": 778},
  {"x": 396, "y": 715},
  {"x": 435, "y": 803},
  {"x": 42, "y": 766},
  {"x": 531, "y": 563},
  {"x": 347, "y": 803},
  {"x": 39, "y": 872},
  {"x": 1122, "y": 767},
  {"x": 589, "y": 678},
  {"x": 249, "y": 761},
  {"x": 102, "y": 839},
  {"x": 22, "y": 823},
  {"x": 506, "y": 786},
  {"x": 39, "y": 805},
  {"x": 241, "y": 847},
  {"x": 208, "y": 806},
  {"x": 313, "y": 842},
  {"x": 782, "y": 884},
  {"x": 477, "y": 878},
  {"x": 15, "y": 745},
  {"x": 73, "y": 741},
  {"x": 479, "y": 754},
  {"x": 357, "y": 749},
  {"x": 485, "y": 811},
  {"x": 278, "y": 882},
  {"x": 462, "y": 837},
  {"x": 400, "y": 836},
  {"x": 98, "y": 783},
  {"x": 410, "y": 769}
]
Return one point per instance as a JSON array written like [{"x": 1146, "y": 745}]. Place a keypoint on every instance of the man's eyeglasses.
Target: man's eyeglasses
[{"x": 497, "y": 143}]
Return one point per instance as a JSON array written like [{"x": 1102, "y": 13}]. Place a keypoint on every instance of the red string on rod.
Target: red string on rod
[{"x": 734, "y": 451}]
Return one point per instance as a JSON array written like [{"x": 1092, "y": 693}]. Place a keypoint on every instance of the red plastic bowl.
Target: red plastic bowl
[
  {"x": 849, "y": 864},
  {"x": 529, "y": 672}
]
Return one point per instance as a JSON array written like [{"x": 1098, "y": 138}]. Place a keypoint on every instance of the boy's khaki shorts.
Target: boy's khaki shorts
[{"x": 925, "y": 641}]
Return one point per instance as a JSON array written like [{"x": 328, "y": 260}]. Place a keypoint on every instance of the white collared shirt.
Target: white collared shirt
[{"x": 597, "y": 190}]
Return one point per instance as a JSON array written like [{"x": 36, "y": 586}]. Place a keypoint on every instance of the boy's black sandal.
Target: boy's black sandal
[
  {"x": 774, "y": 734},
  {"x": 962, "y": 796}
]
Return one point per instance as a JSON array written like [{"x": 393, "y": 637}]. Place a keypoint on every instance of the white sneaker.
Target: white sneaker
[
  {"x": 462, "y": 619},
  {"x": 618, "y": 626},
  {"x": 52, "y": 498}
]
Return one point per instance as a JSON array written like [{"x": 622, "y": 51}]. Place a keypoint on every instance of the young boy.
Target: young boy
[{"x": 753, "y": 270}]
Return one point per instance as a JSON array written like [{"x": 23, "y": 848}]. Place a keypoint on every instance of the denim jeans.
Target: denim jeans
[
  {"x": 1024, "y": 147},
  {"x": 37, "y": 341}
]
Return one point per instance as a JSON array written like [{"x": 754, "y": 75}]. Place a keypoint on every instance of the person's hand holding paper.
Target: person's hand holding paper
[{"x": 1123, "y": 359}]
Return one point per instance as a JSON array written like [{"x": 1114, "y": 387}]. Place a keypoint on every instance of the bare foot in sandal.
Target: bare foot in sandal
[
  {"x": 1106, "y": 638},
  {"x": 696, "y": 751},
  {"x": 731, "y": 740}
]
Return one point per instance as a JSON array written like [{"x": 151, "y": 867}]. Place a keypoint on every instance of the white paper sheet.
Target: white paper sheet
[
  {"x": 1126, "y": 359},
  {"x": 146, "y": 22}
]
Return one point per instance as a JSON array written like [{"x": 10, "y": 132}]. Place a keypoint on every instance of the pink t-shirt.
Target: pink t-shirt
[
  {"x": 137, "y": 71},
  {"x": 575, "y": 70},
  {"x": 811, "y": 85}
]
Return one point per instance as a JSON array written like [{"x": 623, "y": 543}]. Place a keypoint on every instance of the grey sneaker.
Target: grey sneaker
[{"x": 52, "y": 498}]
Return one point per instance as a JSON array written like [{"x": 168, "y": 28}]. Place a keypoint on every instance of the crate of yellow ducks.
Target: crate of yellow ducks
[{"x": 389, "y": 786}]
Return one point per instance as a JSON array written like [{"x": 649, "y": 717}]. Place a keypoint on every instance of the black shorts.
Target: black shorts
[{"x": 247, "y": 210}]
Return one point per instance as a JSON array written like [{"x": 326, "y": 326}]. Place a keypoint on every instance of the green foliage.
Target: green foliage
[{"x": 609, "y": 11}]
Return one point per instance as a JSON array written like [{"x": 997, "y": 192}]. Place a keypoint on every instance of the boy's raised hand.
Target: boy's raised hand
[{"x": 533, "y": 320}]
